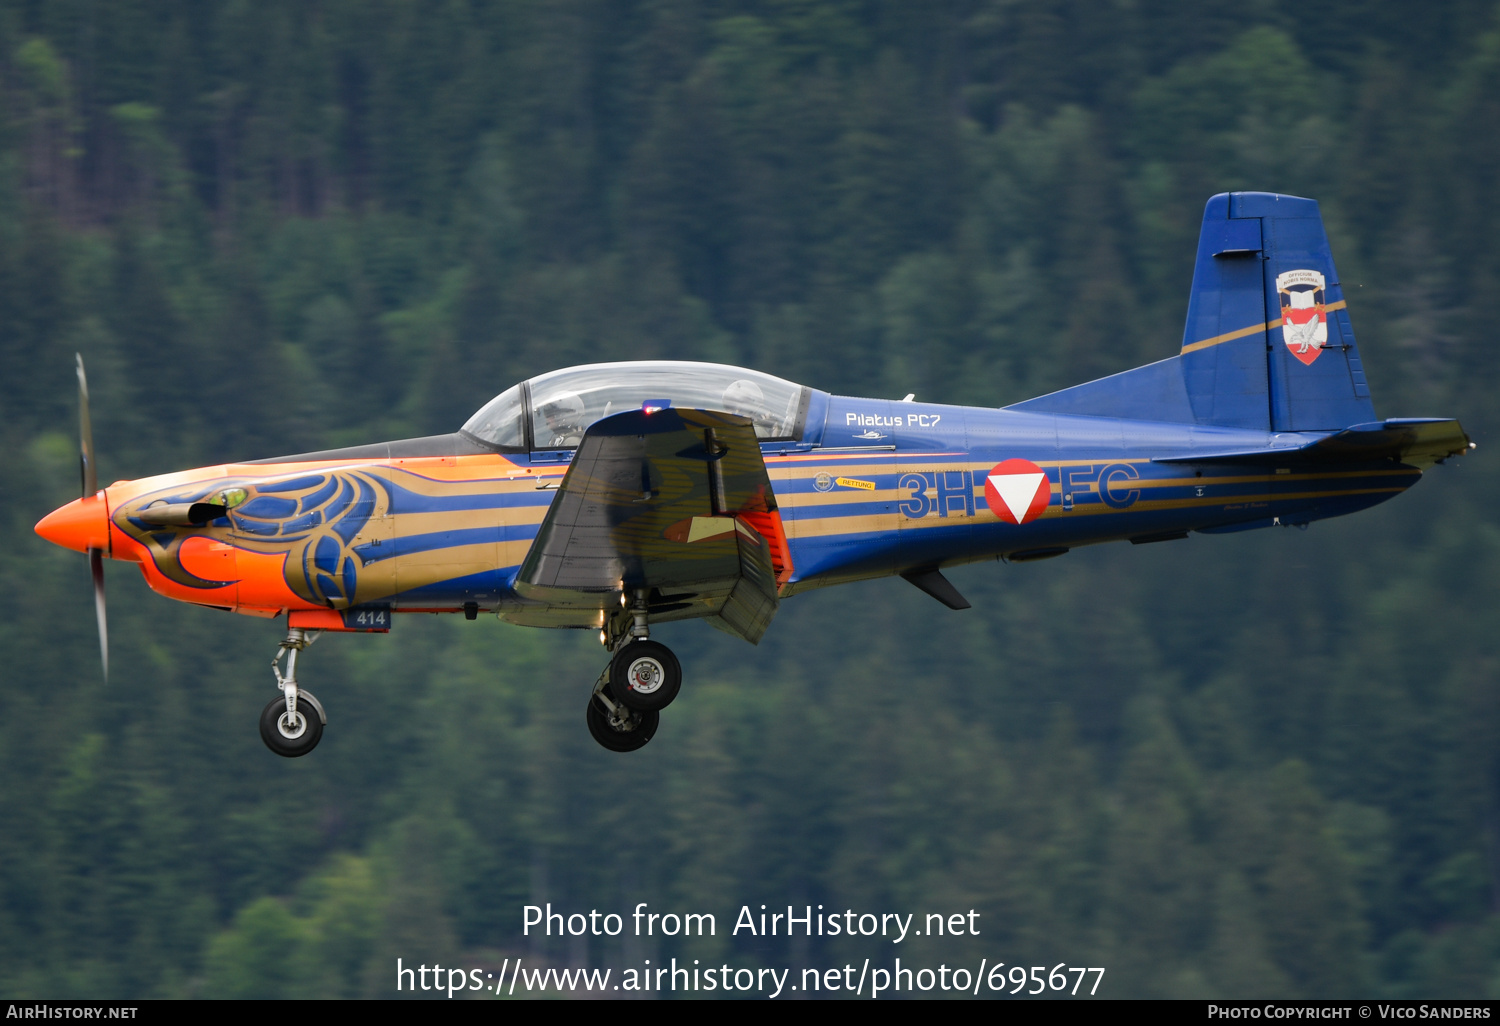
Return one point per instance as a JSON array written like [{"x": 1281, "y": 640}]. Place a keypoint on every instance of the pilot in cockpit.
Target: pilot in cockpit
[
  {"x": 745, "y": 399},
  {"x": 563, "y": 416}
]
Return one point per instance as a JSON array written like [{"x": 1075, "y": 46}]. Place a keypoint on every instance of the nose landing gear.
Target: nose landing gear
[{"x": 292, "y": 725}]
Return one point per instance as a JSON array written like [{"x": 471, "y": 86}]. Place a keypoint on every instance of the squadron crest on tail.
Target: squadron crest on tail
[{"x": 1304, "y": 322}]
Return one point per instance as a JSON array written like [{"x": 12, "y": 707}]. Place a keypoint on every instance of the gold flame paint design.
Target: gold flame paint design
[
  {"x": 317, "y": 520},
  {"x": 337, "y": 530}
]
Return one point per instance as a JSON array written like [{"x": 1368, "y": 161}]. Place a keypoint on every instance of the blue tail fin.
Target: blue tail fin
[{"x": 1268, "y": 343}]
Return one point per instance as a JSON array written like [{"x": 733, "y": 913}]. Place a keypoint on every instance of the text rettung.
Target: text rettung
[{"x": 892, "y": 925}]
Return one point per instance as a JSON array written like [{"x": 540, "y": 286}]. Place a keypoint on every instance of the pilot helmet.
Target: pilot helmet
[
  {"x": 744, "y": 398},
  {"x": 563, "y": 412}
]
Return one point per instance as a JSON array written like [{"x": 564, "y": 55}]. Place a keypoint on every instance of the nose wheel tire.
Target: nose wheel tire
[
  {"x": 645, "y": 676},
  {"x": 623, "y": 730},
  {"x": 288, "y": 737}
]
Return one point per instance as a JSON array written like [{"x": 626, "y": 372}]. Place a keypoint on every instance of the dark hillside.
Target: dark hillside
[{"x": 1257, "y": 765}]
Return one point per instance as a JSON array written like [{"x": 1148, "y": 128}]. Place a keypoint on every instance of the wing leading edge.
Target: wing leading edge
[{"x": 676, "y": 502}]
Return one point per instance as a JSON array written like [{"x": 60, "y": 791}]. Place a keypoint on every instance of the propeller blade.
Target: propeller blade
[
  {"x": 96, "y": 567},
  {"x": 89, "y": 468},
  {"x": 89, "y": 472}
]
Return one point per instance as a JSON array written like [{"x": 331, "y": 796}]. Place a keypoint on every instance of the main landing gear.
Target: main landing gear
[
  {"x": 292, "y": 725},
  {"x": 640, "y": 681}
]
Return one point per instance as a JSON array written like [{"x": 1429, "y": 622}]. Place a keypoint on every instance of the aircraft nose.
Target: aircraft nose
[{"x": 81, "y": 525}]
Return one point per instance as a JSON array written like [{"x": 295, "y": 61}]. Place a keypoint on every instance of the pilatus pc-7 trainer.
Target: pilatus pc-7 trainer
[{"x": 617, "y": 496}]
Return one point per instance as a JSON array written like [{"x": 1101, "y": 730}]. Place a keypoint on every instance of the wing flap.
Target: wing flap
[{"x": 751, "y": 603}]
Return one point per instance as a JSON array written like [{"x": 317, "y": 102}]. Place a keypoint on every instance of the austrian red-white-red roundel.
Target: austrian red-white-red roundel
[{"x": 1017, "y": 491}]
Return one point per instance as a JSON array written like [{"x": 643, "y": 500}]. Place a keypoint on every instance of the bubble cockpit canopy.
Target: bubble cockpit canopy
[{"x": 552, "y": 411}]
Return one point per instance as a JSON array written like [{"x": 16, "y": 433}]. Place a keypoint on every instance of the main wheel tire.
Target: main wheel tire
[
  {"x": 645, "y": 676},
  {"x": 601, "y": 726},
  {"x": 290, "y": 740}
]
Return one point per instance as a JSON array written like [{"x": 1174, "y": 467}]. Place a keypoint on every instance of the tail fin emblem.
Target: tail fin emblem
[{"x": 1304, "y": 323}]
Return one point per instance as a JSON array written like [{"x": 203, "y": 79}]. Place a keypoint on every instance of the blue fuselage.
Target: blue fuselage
[{"x": 879, "y": 487}]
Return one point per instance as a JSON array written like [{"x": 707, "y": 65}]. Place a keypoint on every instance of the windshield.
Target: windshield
[
  {"x": 499, "y": 422},
  {"x": 564, "y": 403}
]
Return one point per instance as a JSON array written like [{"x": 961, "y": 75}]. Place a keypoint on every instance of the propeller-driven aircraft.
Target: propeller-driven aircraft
[{"x": 616, "y": 496}]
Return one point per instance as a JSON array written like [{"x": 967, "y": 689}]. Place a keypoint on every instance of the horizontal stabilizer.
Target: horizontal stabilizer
[{"x": 1418, "y": 442}]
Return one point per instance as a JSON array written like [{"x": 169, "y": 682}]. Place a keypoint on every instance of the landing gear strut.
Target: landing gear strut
[
  {"x": 642, "y": 678},
  {"x": 615, "y": 726},
  {"x": 292, "y": 725}
]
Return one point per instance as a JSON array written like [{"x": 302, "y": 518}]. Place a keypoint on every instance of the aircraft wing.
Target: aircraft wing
[{"x": 675, "y": 501}]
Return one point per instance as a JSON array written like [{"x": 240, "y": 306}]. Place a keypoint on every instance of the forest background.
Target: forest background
[{"x": 1258, "y": 765}]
